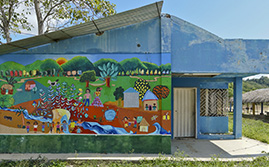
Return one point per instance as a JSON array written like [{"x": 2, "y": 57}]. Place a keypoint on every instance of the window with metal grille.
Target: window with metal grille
[{"x": 213, "y": 102}]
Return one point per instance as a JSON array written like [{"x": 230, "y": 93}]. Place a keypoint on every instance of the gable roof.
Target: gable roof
[
  {"x": 131, "y": 90},
  {"x": 144, "y": 122},
  {"x": 150, "y": 96},
  {"x": 96, "y": 26}
]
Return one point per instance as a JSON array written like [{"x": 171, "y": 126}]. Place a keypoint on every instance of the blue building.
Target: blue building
[{"x": 186, "y": 68}]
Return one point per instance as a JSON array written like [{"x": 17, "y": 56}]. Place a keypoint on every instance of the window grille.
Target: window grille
[{"x": 214, "y": 102}]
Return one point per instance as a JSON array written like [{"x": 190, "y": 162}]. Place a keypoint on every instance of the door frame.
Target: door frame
[{"x": 195, "y": 109}]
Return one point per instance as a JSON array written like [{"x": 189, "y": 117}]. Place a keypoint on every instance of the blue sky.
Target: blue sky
[{"x": 246, "y": 19}]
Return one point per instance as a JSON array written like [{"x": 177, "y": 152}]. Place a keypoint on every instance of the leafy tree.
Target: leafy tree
[
  {"x": 108, "y": 71},
  {"x": 103, "y": 61},
  {"x": 142, "y": 86},
  {"x": 49, "y": 64},
  {"x": 11, "y": 81},
  {"x": 151, "y": 66},
  {"x": 55, "y": 14},
  {"x": 78, "y": 63},
  {"x": 11, "y": 19},
  {"x": 88, "y": 76},
  {"x": 132, "y": 64},
  {"x": 118, "y": 93},
  {"x": 165, "y": 67},
  {"x": 161, "y": 91}
]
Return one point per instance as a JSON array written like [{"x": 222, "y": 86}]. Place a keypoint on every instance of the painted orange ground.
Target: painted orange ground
[{"x": 95, "y": 114}]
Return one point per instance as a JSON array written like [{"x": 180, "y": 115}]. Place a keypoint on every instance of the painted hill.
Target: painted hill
[
  {"x": 35, "y": 65},
  {"x": 11, "y": 65}
]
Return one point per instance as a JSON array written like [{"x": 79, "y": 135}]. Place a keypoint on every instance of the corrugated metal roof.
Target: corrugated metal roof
[{"x": 119, "y": 20}]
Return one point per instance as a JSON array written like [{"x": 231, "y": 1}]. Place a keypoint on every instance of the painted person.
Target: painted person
[
  {"x": 87, "y": 97},
  {"x": 35, "y": 126},
  {"x": 72, "y": 125},
  {"x": 43, "y": 127},
  {"x": 28, "y": 127},
  {"x": 51, "y": 127},
  {"x": 64, "y": 126},
  {"x": 125, "y": 122},
  {"x": 147, "y": 107},
  {"x": 135, "y": 122},
  {"x": 58, "y": 127},
  {"x": 154, "y": 107},
  {"x": 97, "y": 95},
  {"x": 78, "y": 130},
  {"x": 79, "y": 122}
]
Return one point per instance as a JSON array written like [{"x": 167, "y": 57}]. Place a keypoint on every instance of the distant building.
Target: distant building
[
  {"x": 131, "y": 98},
  {"x": 150, "y": 101},
  {"x": 29, "y": 85},
  {"x": 143, "y": 126}
]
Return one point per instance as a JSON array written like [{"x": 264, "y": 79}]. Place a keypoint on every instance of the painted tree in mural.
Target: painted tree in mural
[
  {"x": 165, "y": 68},
  {"x": 161, "y": 92},
  {"x": 118, "y": 93},
  {"x": 132, "y": 64},
  {"x": 88, "y": 76},
  {"x": 142, "y": 86},
  {"x": 101, "y": 62},
  {"x": 108, "y": 72},
  {"x": 48, "y": 65},
  {"x": 78, "y": 63}
]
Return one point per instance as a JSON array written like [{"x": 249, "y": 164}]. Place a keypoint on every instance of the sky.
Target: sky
[{"x": 247, "y": 19}]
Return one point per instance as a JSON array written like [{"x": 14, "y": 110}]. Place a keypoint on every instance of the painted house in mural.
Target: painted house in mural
[
  {"x": 6, "y": 89},
  {"x": 150, "y": 101},
  {"x": 131, "y": 98},
  {"x": 29, "y": 85},
  {"x": 135, "y": 76}
]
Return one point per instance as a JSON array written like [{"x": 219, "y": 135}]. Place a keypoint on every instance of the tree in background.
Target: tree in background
[
  {"x": 118, "y": 93},
  {"x": 56, "y": 14},
  {"x": 88, "y": 76},
  {"x": 48, "y": 65},
  {"x": 132, "y": 64},
  {"x": 142, "y": 86},
  {"x": 78, "y": 63},
  {"x": 12, "y": 20}
]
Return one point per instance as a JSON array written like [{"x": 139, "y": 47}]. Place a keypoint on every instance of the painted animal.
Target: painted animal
[
  {"x": 8, "y": 118},
  {"x": 53, "y": 83}
]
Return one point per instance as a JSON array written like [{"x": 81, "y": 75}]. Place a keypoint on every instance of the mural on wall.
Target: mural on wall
[{"x": 78, "y": 95}]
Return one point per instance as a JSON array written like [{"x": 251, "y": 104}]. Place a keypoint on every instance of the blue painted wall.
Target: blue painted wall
[
  {"x": 213, "y": 125},
  {"x": 120, "y": 40},
  {"x": 196, "y": 50},
  {"x": 202, "y": 125}
]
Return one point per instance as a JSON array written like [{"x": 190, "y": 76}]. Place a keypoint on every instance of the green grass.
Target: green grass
[
  {"x": 254, "y": 129},
  {"x": 107, "y": 93},
  {"x": 161, "y": 161}
]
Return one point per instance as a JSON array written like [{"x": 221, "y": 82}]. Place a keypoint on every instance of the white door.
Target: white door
[{"x": 184, "y": 112}]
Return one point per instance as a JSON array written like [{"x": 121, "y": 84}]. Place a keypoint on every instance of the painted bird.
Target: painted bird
[{"x": 53, "y": 83}]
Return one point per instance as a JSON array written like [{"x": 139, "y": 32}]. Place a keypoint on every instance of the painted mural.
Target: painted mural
[{"x": 84, "y": 95}]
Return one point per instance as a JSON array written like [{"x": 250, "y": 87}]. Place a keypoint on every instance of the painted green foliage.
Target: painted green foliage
[
  {"x": 88, "y": 76},
  {"x": 101, "y": 62},
  {"x": 78, "y": 63},
  {"x": 132, "y": 64}
]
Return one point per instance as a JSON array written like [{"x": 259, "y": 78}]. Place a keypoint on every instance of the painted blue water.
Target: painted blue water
[{"x": 159, "y": 130}]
